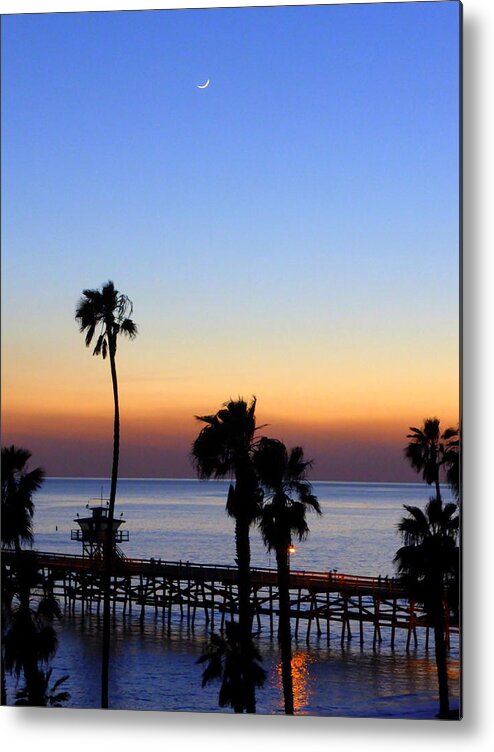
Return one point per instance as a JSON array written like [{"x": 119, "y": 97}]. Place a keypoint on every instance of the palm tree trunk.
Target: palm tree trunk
[
  {"x": 438, "y": 488},
  {"x": 441, "y": 662},
  {"x": 244, "y": 607},
  {"x": 29, "y": 658},
  {"x": 108, "y": 560},
  {"x": 284, "y": 630},
  {"x": 32, "y": 679}
]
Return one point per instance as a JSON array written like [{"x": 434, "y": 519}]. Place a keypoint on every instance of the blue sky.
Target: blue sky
[{"x": 308, "y": 196}]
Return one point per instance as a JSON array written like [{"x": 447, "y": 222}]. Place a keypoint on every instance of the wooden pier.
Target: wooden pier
[{"x": 322, "y": 604}]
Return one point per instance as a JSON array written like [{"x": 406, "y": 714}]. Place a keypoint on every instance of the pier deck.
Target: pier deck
[{"x": 317, "y": 599}]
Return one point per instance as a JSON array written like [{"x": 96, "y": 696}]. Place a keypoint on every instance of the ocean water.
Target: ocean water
[
  {"x": 153, "y": 668},
  {"x": 186, "y": 520}
]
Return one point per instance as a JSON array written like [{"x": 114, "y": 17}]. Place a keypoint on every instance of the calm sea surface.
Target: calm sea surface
[{"x": 186, "y": 520}]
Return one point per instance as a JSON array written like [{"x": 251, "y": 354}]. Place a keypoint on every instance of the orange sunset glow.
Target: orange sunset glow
[{"x": 334, "y": 399}]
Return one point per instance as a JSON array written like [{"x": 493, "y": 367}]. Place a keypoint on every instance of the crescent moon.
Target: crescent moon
[{"x": 203, "y": 86}]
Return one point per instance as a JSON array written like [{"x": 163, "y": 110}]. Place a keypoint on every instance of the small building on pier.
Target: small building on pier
[{"x": 93, "y": 529}]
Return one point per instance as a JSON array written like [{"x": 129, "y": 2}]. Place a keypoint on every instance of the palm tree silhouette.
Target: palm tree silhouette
[
  {"x": 426, "y": 562},
  {"x": 287, "y": 497},
  {"x": 18, "y": 487},
  {"x": 226, "y": 660},
  {"x": 224, "y": 448},
  {"x": 429, "y": 449},
  {"x": 30, "y": 640},
  {"x": 104, "y": 314}
]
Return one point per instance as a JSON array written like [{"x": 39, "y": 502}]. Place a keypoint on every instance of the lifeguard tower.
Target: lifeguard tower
[{"x": 93, "y": 529}]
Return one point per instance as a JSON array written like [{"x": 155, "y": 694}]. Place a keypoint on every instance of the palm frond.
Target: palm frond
[
  {"x": 229, "y": 660},
  {"x": 287, "y": 492},
  {"x": 429, "y": 556},
  {"x": 18, "y": 487},
  {"x": 109, "y": 309},
  {"x": 129, "y": 328},
  {"x": 425, "y": 450},
  {"x": 451, "y": 433},
  {"x": 90, "y": 333}
]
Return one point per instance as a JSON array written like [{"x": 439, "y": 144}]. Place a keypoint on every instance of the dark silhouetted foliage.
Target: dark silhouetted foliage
[
  {"x": 235, "y": 663},
  {"x": 18, "y": 487},
  {"x": 427, "y": 564},
  {"x": 429, "y": 450}
]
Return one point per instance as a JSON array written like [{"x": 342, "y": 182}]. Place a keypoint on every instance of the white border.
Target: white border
[{"x": 81, "y": 729}]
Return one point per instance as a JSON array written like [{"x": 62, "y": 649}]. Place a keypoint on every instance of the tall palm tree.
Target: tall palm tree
[
  {"x": 105, "y": 314},
  {"x": 18, "y": 487},
  {"x": 426, "y": 562},
  {"x": 287, "y": 497},
  {"x": 429, "y": 449},
  {"x": 227, "y": 661},
  {"x": 222, "y": 449}
]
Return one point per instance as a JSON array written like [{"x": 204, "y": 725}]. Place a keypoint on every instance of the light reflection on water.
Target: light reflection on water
[
  {"x": 300, "y": 677},
  {"x": 156, "y": 670}
]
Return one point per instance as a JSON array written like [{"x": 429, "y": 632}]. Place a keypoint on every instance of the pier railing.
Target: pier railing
[
  {"x": 219, "y": 572},
  {"x": 317, "y": 598}
]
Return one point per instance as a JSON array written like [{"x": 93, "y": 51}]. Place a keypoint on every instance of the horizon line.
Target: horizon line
[{"x": 226, "y": 480}]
